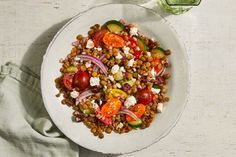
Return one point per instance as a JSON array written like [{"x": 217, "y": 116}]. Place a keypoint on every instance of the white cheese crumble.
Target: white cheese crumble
[
  {"x": 115, "y": 69},
  {"x": 131, "y": 62},
  {"x": 95, "y": 105},
  {"x": 74, "y": 94},
  {"x": 126, "y": 50},
  {"x": 119, "y": 56},
  {"x": 133, "y": 31},
  {"x": 159, "y": 107},
  {"x": 130, "y": 101},
  {"x": 153, "y": 73},
  {"x": 77, "y": 58},
  {"x": 149, "y": 54},
  {"x": 133, "y": 79},
  {"x": 89, "y": 44},
  {"x": 94, "y": 81},
  {"x": 122, "y": 69},
  {"x": 120, "y": 125},
  {"x": 100, "y": 101},
  {"x": 134, "y": 69},
  {"x": 111, "y": 78},
  {"x": 139, "y": 76},
  {"x": 87, "y": 64},
  {"x": 98, "y": 48},
  {"x": 155, "y": 90},
  {"x": 118, "y": 85}
]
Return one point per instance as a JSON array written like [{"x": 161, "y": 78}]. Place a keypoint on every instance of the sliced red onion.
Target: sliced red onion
[
  {"x": 83, "y": 95},
  {"x": 163, "y": 71},
  {"x": 95, "y": 68},
  {"x": 159, "y": 73},
  {"x": 130, "y": 113},
  {"x": 96, "y": 61}
]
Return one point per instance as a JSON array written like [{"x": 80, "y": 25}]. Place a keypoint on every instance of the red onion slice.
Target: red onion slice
[
  {"x": 130, "y": 113},
  {"x": 83, "y": 95},
  {"x": 95, "y": 68},
  {"x": 96, "y": 61}
]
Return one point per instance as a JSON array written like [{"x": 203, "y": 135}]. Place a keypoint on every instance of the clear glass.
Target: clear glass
[{"x": 178, "y": 6}]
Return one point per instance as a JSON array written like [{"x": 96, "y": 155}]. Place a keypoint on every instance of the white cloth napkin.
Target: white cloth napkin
[{"x": 25, "y": 127}]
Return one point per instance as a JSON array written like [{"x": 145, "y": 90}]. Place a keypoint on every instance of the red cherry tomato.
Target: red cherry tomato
[
  {"x": 111, "y": 108},
  {"x": 158, "y": 66},
  {"x": 138, "y": 110},
  {"x": 137, "y": 54},
  {"x": 97, "y": 39},
  {"x": 102, "y": 118},
  {"x": 68, "y": 80},
  {"x": 81, "y": 80},
  {"x": 145, "y": 96}
]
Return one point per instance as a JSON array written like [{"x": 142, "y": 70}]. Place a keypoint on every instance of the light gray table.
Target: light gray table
[{"x": 208, "y": 125}]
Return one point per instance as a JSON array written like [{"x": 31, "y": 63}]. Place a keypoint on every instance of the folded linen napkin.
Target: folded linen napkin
[{"x": 25, "y": 127}]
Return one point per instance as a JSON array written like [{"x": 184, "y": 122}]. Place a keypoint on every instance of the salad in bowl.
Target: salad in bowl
[{"x": 115, "y": 78}]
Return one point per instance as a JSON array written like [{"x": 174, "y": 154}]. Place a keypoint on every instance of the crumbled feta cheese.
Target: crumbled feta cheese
[
  {"x": 126, "y": 50},
  {"x": 77, "y": 58},
  {"x": 89, "y": 44},
  {"x": 95, "y": 105},
  {"x": 155, "y": 90},
  {"x": 120, "y": 125},
  {"x": 87, "y": 64},
  {"x": 94, "y": 81},
  {"x": 131, "y": 62},
  {"x": 133, "y": 31},
  {"x": 133, "y": 79},
  {"x": 130, "y": 101},
  {"x": 139, "y": 76},
  {"x": 149, "y": 54},
  {"x": 98, "y": 48},
  {"x": 153, "y": 73},
  {"x": 115, "y": 69},
  {"x": 119, "y": 56},
  {"x": 134, "y": 69},
  {"x": 111, "y": 78},
  {"x": 122, "y": 69},
  {"x": 159, "y": 107},
  {"x": 74, "y": 94},
  {"x": 100, "y": 101},
  {"x": 118, "y": 85}
]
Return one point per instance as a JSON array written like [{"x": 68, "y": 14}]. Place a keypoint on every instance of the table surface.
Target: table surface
[{"x": 208, "y": 125}]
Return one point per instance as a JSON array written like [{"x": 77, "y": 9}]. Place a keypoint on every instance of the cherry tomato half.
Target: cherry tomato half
[
  {"x": 158, "y": 66},
  {"x": 68, "y": 80},
  {"x": 145, "y": 96},
  {"x": 81, "y": 80},
  {"x": 138, "y": 110},
  {"x": 111, "y": 107},
  {"x": 97, "y": 39},
  {"x": 113, "y": 40},
  {"x": 102, "y": 118}
]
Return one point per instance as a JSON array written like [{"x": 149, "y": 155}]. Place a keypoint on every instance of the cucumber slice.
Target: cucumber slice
[
  {"x": 114, "y": 26},
  {"x": 158, "y": 52},
  {"x": 130, "y": 82},
  {"x": 118, "y": 76},
  {"x": 136, "y": 123},
  {"x": 142, "y": 44},
  {"x": 85, "y": 111}
]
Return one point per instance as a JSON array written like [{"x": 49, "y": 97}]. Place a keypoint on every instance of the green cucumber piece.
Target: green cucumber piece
[
  {"x": 130, "y": 82},
  {"x": 156, "y": 86},
  {"x": 114, "y": 26},
  {"x": 118, "y": 76},
  {"x": 141, "y": 44},
  {"x": 158, "y": 52},
  {"x": 71, "y": 69},
  {"x": 85, "y": 111},
  {"x": 136, "y": 123}
]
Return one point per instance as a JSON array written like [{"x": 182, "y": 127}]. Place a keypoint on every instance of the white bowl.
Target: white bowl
[{"x": 151, "y": 25}]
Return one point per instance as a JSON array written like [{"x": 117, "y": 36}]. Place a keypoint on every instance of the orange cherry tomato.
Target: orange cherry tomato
[
  {"x": 138, "y": 109},
  {"x": 158, "y": 66},
  {"x": 113, "y": 40},
  {"x": 111, "y": 107}
]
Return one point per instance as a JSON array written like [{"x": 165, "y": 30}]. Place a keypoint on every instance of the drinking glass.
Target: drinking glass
[{"x": 178, "y": 6}]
